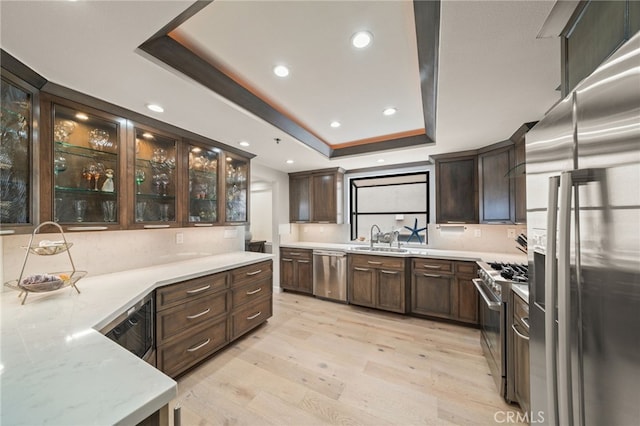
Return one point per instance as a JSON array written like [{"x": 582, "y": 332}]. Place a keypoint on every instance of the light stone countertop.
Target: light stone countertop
[
  {"x": 415, "y": 252},
  {"x": 521, "y": 290},
  {"x": 56, "y": 368}
]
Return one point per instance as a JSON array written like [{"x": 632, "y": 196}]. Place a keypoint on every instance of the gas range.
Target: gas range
[{"x": 498, "y": 276}]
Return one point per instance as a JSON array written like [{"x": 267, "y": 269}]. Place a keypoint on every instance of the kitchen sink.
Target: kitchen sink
[{"x": 381, "y": 249}]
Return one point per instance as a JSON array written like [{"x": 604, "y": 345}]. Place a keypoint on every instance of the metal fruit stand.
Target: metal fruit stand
[{"x": 46, "y": 282}]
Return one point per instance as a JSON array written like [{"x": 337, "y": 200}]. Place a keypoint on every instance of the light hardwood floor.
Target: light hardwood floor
[{"x": 317, "y": 362}]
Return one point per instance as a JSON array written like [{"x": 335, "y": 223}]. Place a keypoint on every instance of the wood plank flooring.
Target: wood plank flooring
[{"x": 322, "y": 363}]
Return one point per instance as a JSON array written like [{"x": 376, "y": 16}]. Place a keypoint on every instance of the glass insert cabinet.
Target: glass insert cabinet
[
  {"x": 100, "y": 171},
  {"x": 16, "y": 152}
]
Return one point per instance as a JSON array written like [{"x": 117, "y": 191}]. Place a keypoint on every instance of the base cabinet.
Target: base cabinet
[
  {"x": 443, "y": 289},
  {"x": 196, "y": 318},
  {"x": 520, "y": 334},
  {"x": 378, "y": 282},
  {"x": 296, "y": 270}
]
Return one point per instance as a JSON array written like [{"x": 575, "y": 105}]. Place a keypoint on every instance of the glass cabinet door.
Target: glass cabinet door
[
  {"x": 236, "y": 184},
  {"x": 155, "y": 178},
  {"x": 86, "y": 169},
  {"x": 203, "y": 184},
  {"x": 15, "y": 155}
]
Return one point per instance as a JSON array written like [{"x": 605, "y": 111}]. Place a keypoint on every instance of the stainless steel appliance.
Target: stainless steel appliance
[
  {"x": 494, "y": 287},
  {"x": 583, "y": 219},
  {"x": 330, "y": 275},
  {"x": 134, "y": 330}
]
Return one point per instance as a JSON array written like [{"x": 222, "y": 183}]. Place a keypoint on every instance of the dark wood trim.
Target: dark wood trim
[
  {"x": 455, "y": 155},
  {"x": 196, "y": 7},
  {"x": 381, "y": 138},
  {"x": 427, "y": 22},
  {"x": 73, "y": 95},
  {"x": 405, "y": 142},
  {"x": 321, "y": 171},
  {"x": 22, "y": 71},
  {"x": 175, "y": 55},
  {"x": 391, "y": 167}
]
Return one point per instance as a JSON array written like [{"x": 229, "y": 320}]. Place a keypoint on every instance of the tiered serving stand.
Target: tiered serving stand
[{"x": 59, "y": 247}]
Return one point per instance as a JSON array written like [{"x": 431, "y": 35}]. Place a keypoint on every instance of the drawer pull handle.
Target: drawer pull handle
[
  {"x": 258, "y": 290},
  {"x": 371, "y": 262},
  {"x": 303, "y": 261},
  {"x": 254, "y": 272},
  {"x": 432, "y": 266},
  {"x": 294, "y": 254},
  {"x": 361, "y": 269},
  {"x": 286, "y": 260},
  {"x": 432, "y": 275},
  {"x": 198, "y": 290},
  {"x": 389, "y": 272},
  {"x": 206, "y": 311},
  {"x": 254, "y": 316},
  {"x": 520, "y": 335},
  {"x": 200, "y": 346},
  {"x": 133, "y": 322}
]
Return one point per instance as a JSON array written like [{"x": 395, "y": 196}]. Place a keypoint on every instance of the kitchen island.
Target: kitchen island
[{"x": 56, "y": 368}]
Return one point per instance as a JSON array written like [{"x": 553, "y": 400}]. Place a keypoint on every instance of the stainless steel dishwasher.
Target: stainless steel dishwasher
[{"x": 330, "y": 275}]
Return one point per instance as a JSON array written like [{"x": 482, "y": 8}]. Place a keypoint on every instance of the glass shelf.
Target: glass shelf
[
  {"x": 66, "y": 148},
  {"x": 84, "y": 191}
]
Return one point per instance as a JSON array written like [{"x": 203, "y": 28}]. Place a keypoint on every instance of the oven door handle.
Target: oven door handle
[{"x": 494, "y": 306}]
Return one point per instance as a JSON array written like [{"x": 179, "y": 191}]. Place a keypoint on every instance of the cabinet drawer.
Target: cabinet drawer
[
  {"x": 377, "y": 261},
  {"x": 175, "y": 294},
  {"x": 251, "y": 292},
  {"x": 467, "y": 268},
  {"x": 432, "y": 265},
  {"x": 250, "y": 316},
  {"x": 172, "y": 321},
  {"x": 176, "y": 357},
  {"x": 296, "y": 253},
  {"x": 255, "y": 272}
]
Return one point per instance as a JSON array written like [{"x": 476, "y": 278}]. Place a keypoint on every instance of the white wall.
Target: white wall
[{"x": 261, "y": 213}]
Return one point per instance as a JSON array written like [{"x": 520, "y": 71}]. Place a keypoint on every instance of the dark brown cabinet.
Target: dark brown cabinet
[
  {"x": 197, "y": 317},
  {"x": 378, "y": 282},
  {"x": 520, "y": 181},
  {"x": 316, "y": 196},
  {"x": 296, "y": 270},
  {"x": 496, "y": 188},
  {"x": 443, "y": 289},
  {"x": 456, "y": 188}
]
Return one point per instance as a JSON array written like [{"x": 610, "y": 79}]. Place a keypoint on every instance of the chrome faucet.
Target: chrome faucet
[{"x": 377, "y": 235}]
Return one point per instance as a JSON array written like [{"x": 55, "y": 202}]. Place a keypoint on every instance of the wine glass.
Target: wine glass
[
  {"x": 140, "y": 177},
  {"x": 97, "y": 172},
  {"x": 59, "y": 165},
  {"x": 88, "y": 172}
]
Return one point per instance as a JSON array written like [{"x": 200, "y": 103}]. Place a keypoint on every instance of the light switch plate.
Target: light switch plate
[
  {"x": 477, "y": 233},
  {"x": 179, "y": 238}
]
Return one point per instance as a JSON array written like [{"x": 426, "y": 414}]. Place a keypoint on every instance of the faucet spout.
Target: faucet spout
[{"x": 377, "y": 235}]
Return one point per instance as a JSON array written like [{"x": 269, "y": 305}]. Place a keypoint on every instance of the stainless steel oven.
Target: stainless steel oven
[
  {"x": 134, "y": 330},
  {"x": 494, "y": 287}
]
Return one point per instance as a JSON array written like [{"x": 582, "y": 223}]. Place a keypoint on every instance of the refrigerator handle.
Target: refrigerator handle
[
  {"x": 550, "y": 302},
  {"x": 565, "y": 398}
]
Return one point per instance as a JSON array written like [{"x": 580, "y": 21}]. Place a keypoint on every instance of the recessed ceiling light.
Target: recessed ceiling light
[
  {"x": 196, "y": 149},
  {"x": 335, "y": 124},
  {"x": 155, "y": 108},
  {"x": 289, "y": 161},
  {"x": 281, "y": 71},
  {"x": 82, "y": 116},
  {"x": 244, "y": 143},
  {"x": 229, "y": 159},
  {"x": 361, "y": 39},
  {"x": 380, "y": 160},
  {"x": 147, "y": 135},
  {"x": 390, "y": 111}
]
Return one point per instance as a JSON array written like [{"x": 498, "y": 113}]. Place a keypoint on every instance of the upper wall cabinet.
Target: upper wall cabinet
[
  {"x": 17, "y": 149},
  {"x": 156, "y": 177},
  {"x": 496, "y": 188},
  {"x": 236, "y": 184},
  {"x": 456, "y": 188},
  {"x": 82, "y": 155},
  {"x": 203, "y": 185},
  {"x": 316, "y": 196}
]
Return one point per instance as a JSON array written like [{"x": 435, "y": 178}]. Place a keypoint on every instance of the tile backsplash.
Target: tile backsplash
[{"x": 105, "y": 252}]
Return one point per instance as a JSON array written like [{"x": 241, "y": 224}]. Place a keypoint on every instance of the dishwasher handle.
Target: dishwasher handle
[{"x": 329, "y": 253}]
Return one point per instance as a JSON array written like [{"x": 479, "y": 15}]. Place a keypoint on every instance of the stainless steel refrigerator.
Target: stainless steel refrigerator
[{"x": 583, "y": 220}]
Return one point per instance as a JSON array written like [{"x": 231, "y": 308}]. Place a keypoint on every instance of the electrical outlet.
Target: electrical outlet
[
  {"x": 322, "y": 229},
  {"x": 511, "y": 233},
  {"x": 477, "y": 233},
  {"x": 179, "y": 238}
]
